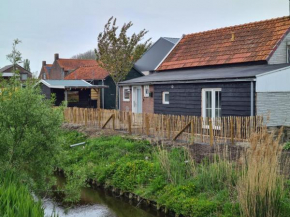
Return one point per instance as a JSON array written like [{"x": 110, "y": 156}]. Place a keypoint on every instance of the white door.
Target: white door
[{"x": 137, "y": 100}]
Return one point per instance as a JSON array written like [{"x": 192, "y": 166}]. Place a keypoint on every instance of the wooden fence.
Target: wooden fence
[{"x": 169, "y": 127}]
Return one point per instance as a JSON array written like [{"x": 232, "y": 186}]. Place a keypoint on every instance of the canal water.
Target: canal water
[{"x": 99, "y": 203}]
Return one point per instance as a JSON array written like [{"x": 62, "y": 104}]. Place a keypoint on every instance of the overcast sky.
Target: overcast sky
[{"x": 69, "y": 27}]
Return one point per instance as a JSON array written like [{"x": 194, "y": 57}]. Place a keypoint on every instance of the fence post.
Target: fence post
[
  {"x": 74, "y": 115},
  {"x": 232, "y": 131},
  {"x": 192, "y": 131},
  {"x": 168, "y": 128},
  {"x": 210, "y": 132},
  {"x": 147, "y": 124},
  {"x": 129, "y": 123},
  {"x": 86, "y": 116},
  {"x": 114, "y": 115},
  {"x": 99, "y": 118}
]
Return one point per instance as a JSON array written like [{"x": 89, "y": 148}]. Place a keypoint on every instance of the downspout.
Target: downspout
[
  {"x": 118, "y": 97},
  {"x": 103, "y": 90},
  {"x": 252, "y": 98}
]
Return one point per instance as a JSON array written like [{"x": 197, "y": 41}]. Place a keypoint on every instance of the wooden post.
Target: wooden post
[
  {"x": 99, "y": 99},
  {"x": 99, "y": 117},
  {"x": 129, "y": 124},
  {"x": 182, "y": 130},
  {"x": 210, "y": 132},
  {"x": 86, "y": 116},
  {"x": 232, "y": 131},
  {"x": 74, "y": 115},
  {"x": 168, "y": 128},
  {"x": 192, "y": 131},
  {"x": 147, "y": 124},
  {"x": 114, "y": 116}
]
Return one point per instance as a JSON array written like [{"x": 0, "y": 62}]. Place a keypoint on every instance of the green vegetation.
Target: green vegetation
[
  {"x": 214, "y": 187},
  {"x": 167, "y": 177},
  {"x": 16, "y": 200},
  {"x": 29, "y": 132},
  {"x": 286, "y": 146}
]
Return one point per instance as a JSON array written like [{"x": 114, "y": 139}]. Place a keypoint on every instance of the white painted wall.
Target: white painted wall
[
  {"x": 280, "y": 55},
  {"x": 275, "y": 81}
]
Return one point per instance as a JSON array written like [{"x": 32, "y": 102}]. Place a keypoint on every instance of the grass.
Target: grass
[
  {"x": 252, "y": 186},
  {"x": 16, "y": 200}
]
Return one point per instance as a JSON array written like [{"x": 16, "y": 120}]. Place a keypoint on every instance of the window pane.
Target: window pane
[
  {"x": 208, "y": 99},
  {"x": 218, "y": 99},
  {"x": 208, "y": 113},
  {"x": 126, "y": 94},
  {"x": 73, "y": 96},
  {"x": 217, "y": 113},
  {"x": 166, "y": 99}
]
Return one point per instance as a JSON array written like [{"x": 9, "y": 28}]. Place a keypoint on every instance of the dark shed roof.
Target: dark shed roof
[{"x": 237, "y": 72}]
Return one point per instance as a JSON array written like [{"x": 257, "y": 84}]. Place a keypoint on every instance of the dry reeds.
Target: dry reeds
[{"x": 260, "y": 185}]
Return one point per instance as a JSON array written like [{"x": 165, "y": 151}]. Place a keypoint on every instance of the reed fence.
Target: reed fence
[{"x": 191, "y": 129}]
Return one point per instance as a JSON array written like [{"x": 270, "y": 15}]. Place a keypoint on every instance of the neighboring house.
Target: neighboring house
[
  {"x": 45, "y": 71},
  {"x": 155, "y": 54},
  {"x": 62, "y": 67},
  {"x": 74, "y": 92},
  {"x": 232, "y": 71},
  {"x": 7, "y": 72},
  {"x": 96, "y": 75}
]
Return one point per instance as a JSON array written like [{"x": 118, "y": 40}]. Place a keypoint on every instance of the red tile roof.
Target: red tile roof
[
  {"x": 94, "y": 72},
  {"x": 252, "y": 42},
  {"x": 72, "y": 64}
]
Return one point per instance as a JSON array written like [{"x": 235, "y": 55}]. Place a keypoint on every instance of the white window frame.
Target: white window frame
[
  {"x": 146, "y": 87},
  {"x": 163, "y": 97},
  {"x": 124, "y": 99},
  {"x": 213, "y": 90}
]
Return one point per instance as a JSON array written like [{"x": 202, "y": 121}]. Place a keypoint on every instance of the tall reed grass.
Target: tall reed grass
[
  {"x": 16, "y": 200},
  {"x": 261, "y": 186}
]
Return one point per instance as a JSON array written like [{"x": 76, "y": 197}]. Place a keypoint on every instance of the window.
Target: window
[
  {"x": 44, "y": 76},
  {"x": 211, "y": 105},
  {"x": 146, "y": 91},
  {"x": 126, "y": 94},
  {"x": 288, "y": 53},
  {"x": 73, "y": 96},
  {"x": 165, "y": 97},
  {"x": 23, "y": 76}
]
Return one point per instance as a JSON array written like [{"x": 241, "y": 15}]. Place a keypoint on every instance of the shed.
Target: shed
[{"x": 77, "y": 93}]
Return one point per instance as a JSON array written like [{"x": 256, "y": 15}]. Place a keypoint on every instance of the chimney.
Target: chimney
[
  {"x": 56, "y": 56},
  {"x": 43, "y": 63}
]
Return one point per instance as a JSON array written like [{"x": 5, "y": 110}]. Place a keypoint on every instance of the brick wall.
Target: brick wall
[
  {"x": 147, "y": 102},
  {"x": 275, "y": 104},
  {"x": 55, "y": 72}
]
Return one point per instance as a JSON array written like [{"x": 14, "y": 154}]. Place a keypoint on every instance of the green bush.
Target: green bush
[{"x": 286, "y": 147}]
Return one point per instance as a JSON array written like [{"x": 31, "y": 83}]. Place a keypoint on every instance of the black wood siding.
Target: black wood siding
[
  {"x": 110, "y": 93},
  {"x": 186, "y": 99}
]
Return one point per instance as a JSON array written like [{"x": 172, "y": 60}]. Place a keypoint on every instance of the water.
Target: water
[{"x": 99, "y": 203}]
